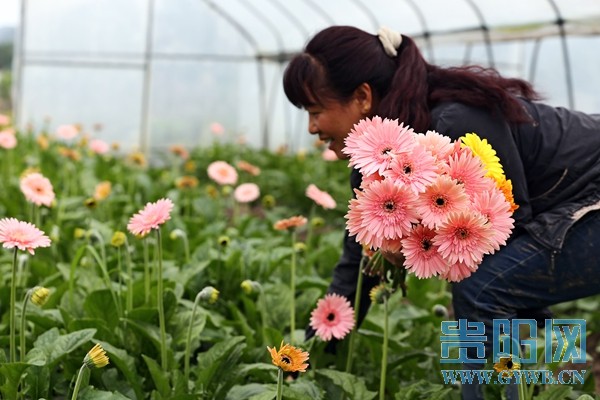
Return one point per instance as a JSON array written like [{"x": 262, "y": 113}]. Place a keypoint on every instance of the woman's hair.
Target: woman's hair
[{"x": 339, "y": 59}]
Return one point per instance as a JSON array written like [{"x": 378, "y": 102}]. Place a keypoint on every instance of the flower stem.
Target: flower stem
[
  {"x": 293, "y": 290},
  {"x": 129, "y": 302},
  {"x": 161, "y": 309},
  {"x": 384, "y": 350},
  {"x": 357, "y": 297},
  {"x": 188, "y": 341},
  {"x": 280, "y": 384},
  {"x": 78, "y": 382},
  {"x": 146, "y": 274},
  {"x": 13, "y": 300},
  {"x": 22, "y": 330}
]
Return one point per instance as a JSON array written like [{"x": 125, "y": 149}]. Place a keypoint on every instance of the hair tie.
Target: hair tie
[{"x": 390, "y": 40}]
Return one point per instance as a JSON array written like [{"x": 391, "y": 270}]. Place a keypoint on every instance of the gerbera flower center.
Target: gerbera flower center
[
  {"x": 386, "y": 151},
  {"x": 389, "y": 206},
  {"x": 330, "y": 317},
  {"x": 286, "y": 359},
  {"x": 440, "y": 201},
  {"x": 462, "y": 233},
  {"x": 407, "y": 169},
  {"x": 426, "y": 244}
]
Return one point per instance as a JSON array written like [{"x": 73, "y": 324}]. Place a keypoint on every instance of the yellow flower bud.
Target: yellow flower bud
[
  {"x": 379, "y": 293},
  {"x": 317, "y": 222},
  {"x": 209, "y": 294},
  {"x": 96, "y": 357},
  {"x": 118, "y": 239},
  {"x": 300, "y": 247},
  {"x": 249, "y": 287},
  {"x": 39, "y": 295},
  {"x": 224, "y": 241},
  {"x": 268, "y": 201},
  {"x": 176, "y": 234}
]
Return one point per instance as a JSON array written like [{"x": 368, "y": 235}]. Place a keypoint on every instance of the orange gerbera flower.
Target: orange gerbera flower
[
  {"x": 290, "y": 223},
  {"x": 505, "y": 186},
  {"x": 289, "y": 358}
]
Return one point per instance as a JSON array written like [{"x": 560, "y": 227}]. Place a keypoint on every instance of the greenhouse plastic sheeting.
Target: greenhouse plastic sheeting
[{"x": 150, "y": 73}]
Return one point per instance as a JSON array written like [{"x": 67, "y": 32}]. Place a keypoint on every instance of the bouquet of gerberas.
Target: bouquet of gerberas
[{"x": 443, "y": 204}]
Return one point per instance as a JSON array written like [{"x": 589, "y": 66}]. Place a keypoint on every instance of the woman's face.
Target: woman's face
[{"x": 333, "y": 120}]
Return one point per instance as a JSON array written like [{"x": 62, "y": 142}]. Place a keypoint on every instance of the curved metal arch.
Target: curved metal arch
[
  {"x": 535, "y": 52},
  {"x": 260, "y": 67},
  {"x": 424, "y": 28},
  {"x": 291, "y": 17},
  {"x": 321, "y": 12},
  {"x": 369, "y": 14},
  {"x": 560, "y": 22},
  {"x": 485, "y": 31},
  {"x": 147, "y": 82},
  {"x": 278, "y": 38}
]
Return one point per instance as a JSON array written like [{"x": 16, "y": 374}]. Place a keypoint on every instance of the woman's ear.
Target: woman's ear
[{"x": 363, "y": 95}]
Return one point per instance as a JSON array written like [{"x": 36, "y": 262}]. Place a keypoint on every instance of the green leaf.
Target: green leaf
[
  {"x": 214, "y": 366},
  {"x": 99, "y": 304},
  {"x": 423, "y": 390},
  {"x": 556, "y": 392},
  {"x": 126, "y": 364},
  {"x": 303, "y": 389},
  {"x": 160, "y": 377},
  {"x": 244, "y": 392},
  {"x": 10, "y": 376},
  {"x": 352, "y": 385},
  {"x": 37, "y": 382},
  {"x": 56, "y": 346},
  {"x": 93, "y": 394},
  {"x": 146, "y": 330}
]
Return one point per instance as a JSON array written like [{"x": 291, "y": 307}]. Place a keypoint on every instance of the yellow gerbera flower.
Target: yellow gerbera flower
[
  {"x": 289, "y": 358},
  {"x": 506, "y": 365},
  {"x": 96, "y": 357},
  {"x": 482, "y": 149}
]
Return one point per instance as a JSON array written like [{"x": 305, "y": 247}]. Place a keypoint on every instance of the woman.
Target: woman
[{"x": 552, "y": 156}]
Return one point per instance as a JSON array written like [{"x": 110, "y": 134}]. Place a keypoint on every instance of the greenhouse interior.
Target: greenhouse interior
[{"x": 268, "y": 199}]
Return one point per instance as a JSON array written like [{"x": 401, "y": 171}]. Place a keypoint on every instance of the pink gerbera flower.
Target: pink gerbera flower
[
  {"x": 467, "y": 169},
  {"x": 422, "y": 256},
  {"x": 367, "y": 180},
  {"x": 8, "y": 140},
  {"x": 320, "y": 197},
  {"x": 391, "y": 245},
  {"x": 217, "y": 129},
  {"x": 151, "y": 217},
  {"x": 67, "y": 132},
  {"x": 381, "y": 211},
  {"x": 457, "y": 272},
  {"x": 333, "y": 317},
  {"x": 376, "y": 147},
  {"x": 246, "y": 192},
  {"x": 22, "y": 235},
  {"x": 99, "y": 146},
  {"x": 493, "y": 206},
  {"x": 37, "y": 189},
  {"x": 416, "y": 169},
  {"x": 464, "y": 237},
  {"x": 222, "y": 173},
  {"x": 442, "y": 197},
  {"x": 4, "y": 120},
  {"x": 438, "y": 145}
]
